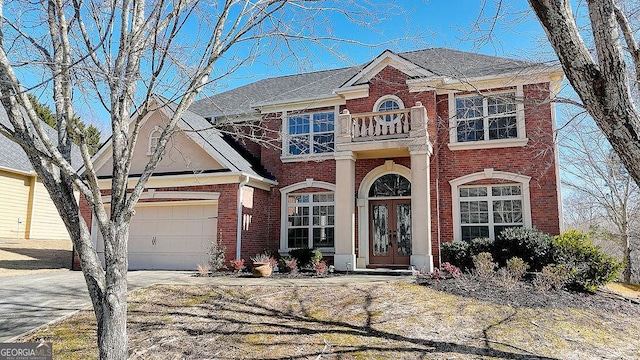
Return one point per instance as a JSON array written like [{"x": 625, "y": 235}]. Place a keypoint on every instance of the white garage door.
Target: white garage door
[{"x": 171, "y": 237}]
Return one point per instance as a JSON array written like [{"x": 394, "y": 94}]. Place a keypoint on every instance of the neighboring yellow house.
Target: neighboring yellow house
[{"x": 26, "y": 210}]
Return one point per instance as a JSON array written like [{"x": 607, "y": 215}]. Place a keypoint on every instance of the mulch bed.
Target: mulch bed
[{"x": 524, "y": 294}]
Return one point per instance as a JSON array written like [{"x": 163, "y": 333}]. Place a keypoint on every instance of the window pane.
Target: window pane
[
  {"x": 390, "y": 185},
  {"x": 298, "y": 238},
  {"x": 388, "y": 105},
  {"x": 503, "y": 128},
  {"x": 469, "y": 107},
  {"x": 323, "y": 143},
  {"x": 472, "y": 232},
  {"x": 470, "y": 130},
  {"x": 299, "y": 145},
  {"x": 507, "y": 211},
  {"x": 323, "y": 237},
  {"x": 299, "y": 124},
  {"x": 323, "y": 122},
  {"x": 323, "y": 215},
  {"x": 323, "y": 197}
]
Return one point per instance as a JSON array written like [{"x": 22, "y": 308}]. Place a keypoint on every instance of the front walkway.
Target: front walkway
[{"x": 34, "y": 300}]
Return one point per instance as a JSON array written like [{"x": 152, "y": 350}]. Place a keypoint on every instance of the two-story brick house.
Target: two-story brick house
[{"x": 375, "y": 165}]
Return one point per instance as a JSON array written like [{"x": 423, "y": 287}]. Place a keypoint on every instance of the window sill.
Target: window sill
[
  {"x": 488, "y": 144},
  {"x": 301, "y": 158},
  {"x": 325, "y": 251}
]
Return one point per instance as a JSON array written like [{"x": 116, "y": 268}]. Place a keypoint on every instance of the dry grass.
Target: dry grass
[
  {"x": 629, "y": 290},
  {"x": 397, "y": 320},
  {"x": 22, "y": 257}
]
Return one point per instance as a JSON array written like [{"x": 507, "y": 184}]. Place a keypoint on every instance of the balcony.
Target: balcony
[{"x": 383, "y": 133}]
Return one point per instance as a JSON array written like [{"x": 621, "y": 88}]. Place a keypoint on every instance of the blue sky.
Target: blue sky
[
  {"x": 398, "y": 26},
  {"x": 418, "y": 24}
]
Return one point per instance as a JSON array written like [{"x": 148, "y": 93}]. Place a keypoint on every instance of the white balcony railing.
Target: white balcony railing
[{"x": 382, "y": 125}]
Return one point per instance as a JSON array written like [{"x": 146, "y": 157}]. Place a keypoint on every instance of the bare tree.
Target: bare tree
[
  {"x": 603, "y": 77},
  {"x": 122, "y": 52},
  {"x": 601, "y": 186}
]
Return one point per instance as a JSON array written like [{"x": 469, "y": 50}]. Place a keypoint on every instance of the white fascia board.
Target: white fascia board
[
  {"x": 382, "y": 61},
  {"x": 425, "y": 84},
  {"x": 503, "y": 80},
  {"x": 185, "y": 180},
  {"x": 19, "y": 172},
  {"x": 353, "y": 92},
  {"x": 296, "y": 105}
]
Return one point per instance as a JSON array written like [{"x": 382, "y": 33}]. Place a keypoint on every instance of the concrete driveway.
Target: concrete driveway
[{"x": 29, "y": 301}]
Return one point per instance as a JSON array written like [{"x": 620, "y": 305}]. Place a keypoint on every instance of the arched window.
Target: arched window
[
  {"x": 390, "y": 185},
  {"x": 388, "y": 103},
  {"x": 154, "y": 136}
]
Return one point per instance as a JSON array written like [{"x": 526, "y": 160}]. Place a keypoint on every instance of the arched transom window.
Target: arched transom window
[{"x": 390, "y": 185}]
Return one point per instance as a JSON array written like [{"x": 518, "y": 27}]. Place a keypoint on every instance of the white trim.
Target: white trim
[
  {"x": 519, "y": 141},
  {"x": 523, "y": 77},
  {"x": 308, "y": 157},
  {"x": 389, "y": 167},
  {"x": 286, "y": 136},
  {"x": 19, "y": 172},
  {"x": 384, "y": 98},
  {"x": 353, "y": 92},
  {"x": 196, "y": 180},
  {"x": 153, "y": 194},
  {"x": 300, "y": 104},
  {"x": 488, "y": 144},
  {"x": 284, "y": 193},
  {"x": 156, "y": 129},
  {"x": 489, "y": 173}
]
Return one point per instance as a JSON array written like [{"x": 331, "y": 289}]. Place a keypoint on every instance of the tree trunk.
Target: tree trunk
[
  {"x": 112, "y": 311},
  {"x": 603, "y": 86},
  {"x": 626, "y": 258}
]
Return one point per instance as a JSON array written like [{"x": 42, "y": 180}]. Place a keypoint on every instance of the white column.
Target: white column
[
  {"x": 421, "y": 256},
  {"x": 345, "y": 250}
]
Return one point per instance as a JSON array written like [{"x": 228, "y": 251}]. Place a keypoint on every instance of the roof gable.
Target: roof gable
[
  {"x": 212, "y": 150},
  {"x": 387, "y": 58}
]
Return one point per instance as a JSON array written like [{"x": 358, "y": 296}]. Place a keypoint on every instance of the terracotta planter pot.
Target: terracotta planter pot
[{"x": 262, "y": 269}]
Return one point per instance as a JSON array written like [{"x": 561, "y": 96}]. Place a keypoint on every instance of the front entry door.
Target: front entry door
[{"x": 390, "y": 233}]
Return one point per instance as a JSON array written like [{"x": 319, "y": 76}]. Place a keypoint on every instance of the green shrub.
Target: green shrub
[
  {"x": 589, "y": 266},
  {"x": 456, "y": 253},
  {"x": 483, "y": 265},
  {"x": 480, "y": 245},
  {"x": 531, "y": 245},
  {"x": 306, "y": 258}
]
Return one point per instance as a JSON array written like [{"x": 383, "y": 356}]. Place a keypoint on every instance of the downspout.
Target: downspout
[{"x": 239, "y": 228}]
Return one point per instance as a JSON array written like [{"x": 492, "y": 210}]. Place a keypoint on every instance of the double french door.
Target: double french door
[{"x": 390, "y": 232}]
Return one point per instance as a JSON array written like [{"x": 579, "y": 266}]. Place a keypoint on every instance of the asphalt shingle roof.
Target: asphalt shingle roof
[
  {"x": 440, "y": 61},
  {"x": 13, "y": 157}
]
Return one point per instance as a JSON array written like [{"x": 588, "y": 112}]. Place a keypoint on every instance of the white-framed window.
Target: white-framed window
[
  {"x": 486, "y": 210},
  {"x": 491, "y": 119},
  {"x": 154, "y": 136},
  {"x": 310, "y": 220},
  {"x": 311, "y": 133},
  {"x": 388, "y": 103}
]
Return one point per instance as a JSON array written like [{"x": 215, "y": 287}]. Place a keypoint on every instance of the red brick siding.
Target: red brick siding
[{"x": 536, "y": 160}]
